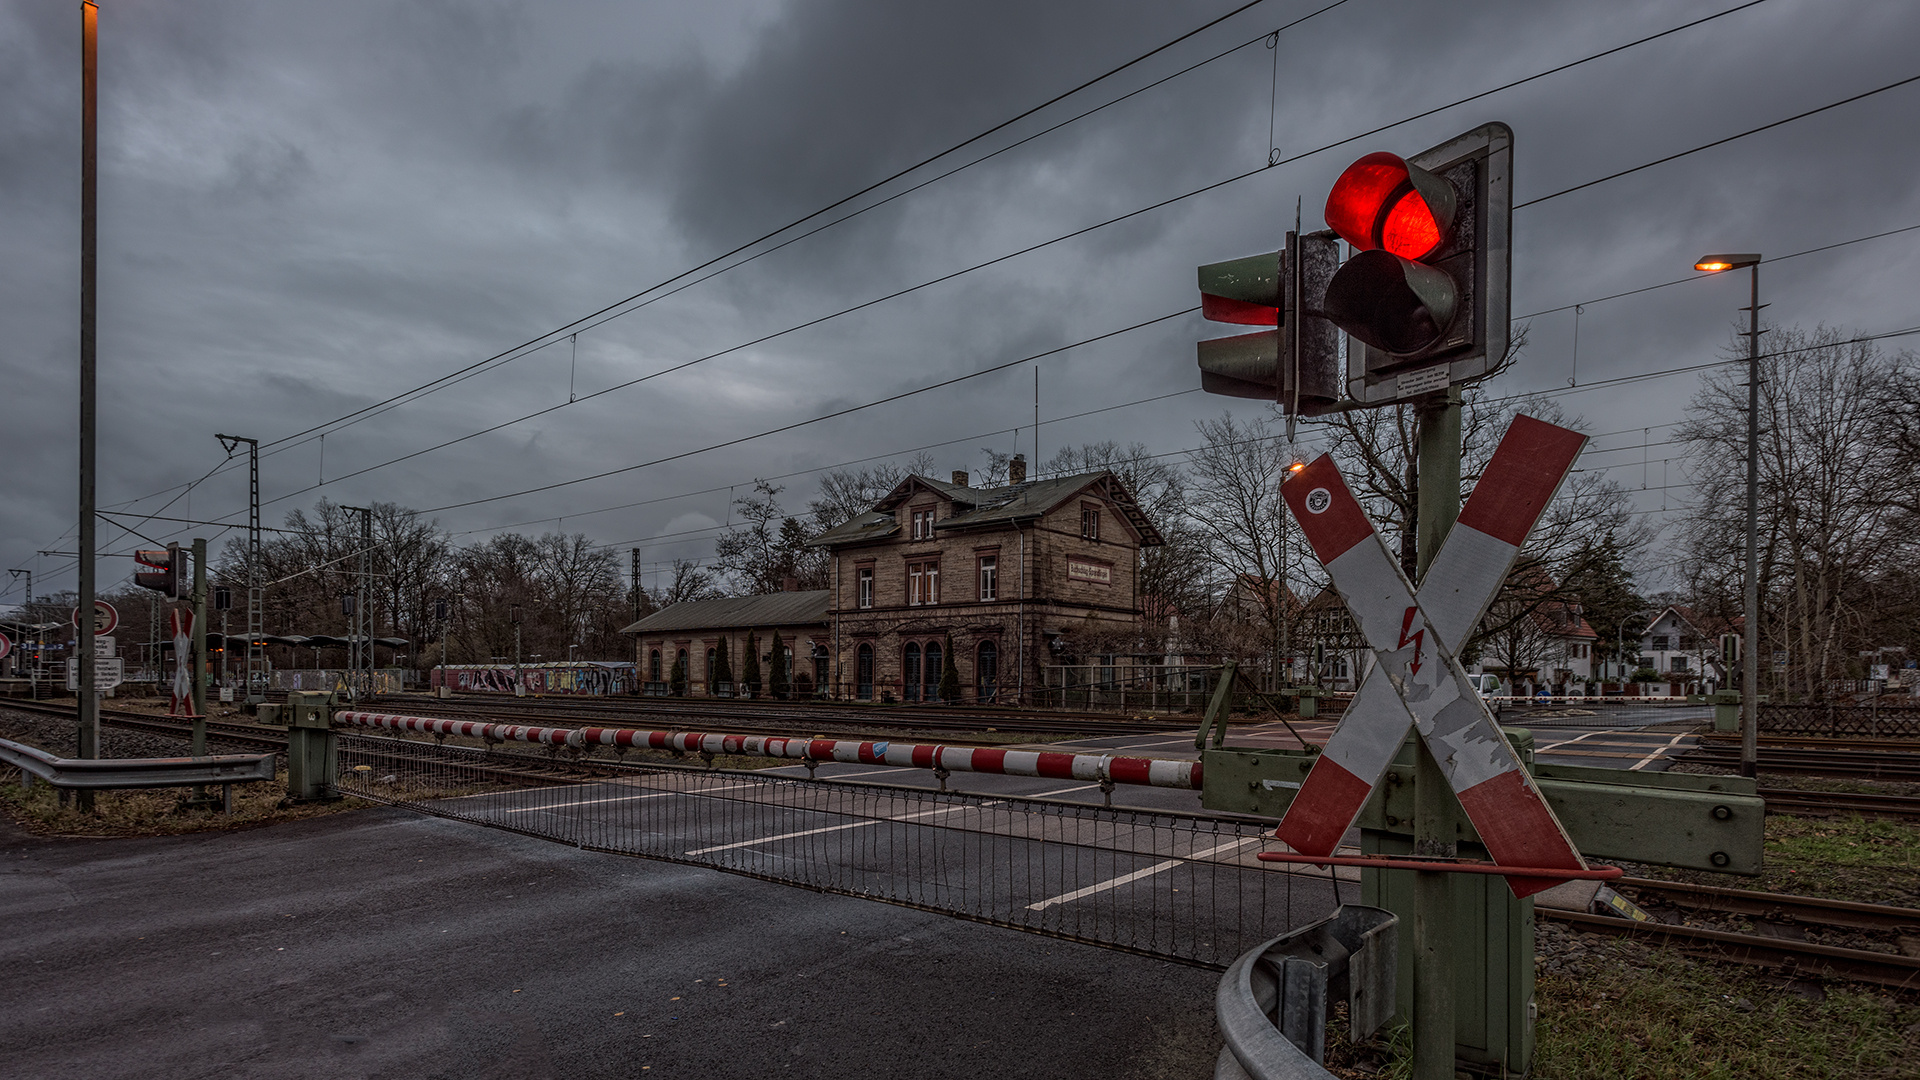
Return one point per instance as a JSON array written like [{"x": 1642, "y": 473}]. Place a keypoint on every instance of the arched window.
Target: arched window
[
  {"x": 863, "y": 673},
  {"x": 986, "y": 671},
  {"x": 932, "y": 680},
  {"x": 712, "y": 658},
  {"x": 653, "y": 667},
  {"x": 910, "y": 672}
]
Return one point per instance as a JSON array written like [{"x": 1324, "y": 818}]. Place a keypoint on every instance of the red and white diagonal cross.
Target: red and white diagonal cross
[{"x": 1416, "y": 679}]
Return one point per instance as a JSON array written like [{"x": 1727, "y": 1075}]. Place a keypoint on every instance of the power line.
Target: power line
[
  {"x": 1705, "y": 277},
  {"x": 838, "y": 202},
  {"x": 1012, "y": 254},
  {"x": 1719, "y": 142}
]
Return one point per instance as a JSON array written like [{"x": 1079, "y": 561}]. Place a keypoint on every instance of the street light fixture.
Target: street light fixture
[{"x": 1750, "y": 647}]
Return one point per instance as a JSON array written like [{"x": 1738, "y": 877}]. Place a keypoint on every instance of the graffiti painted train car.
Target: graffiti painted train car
[{"x": 585, "y": 677}]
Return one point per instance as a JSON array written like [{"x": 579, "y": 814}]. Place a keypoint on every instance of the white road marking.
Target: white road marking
[
  {"x": 837, "y": 828},
  {"x": 1125, "y": 879},
  {"x": 1062, "y": 791},
  {"x": 1645, "y": 761},
  {"x": 623, "y": 798},
  {"x": 1569, "y": 742}
]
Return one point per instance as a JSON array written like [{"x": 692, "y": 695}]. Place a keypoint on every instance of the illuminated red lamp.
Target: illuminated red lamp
[{"x": 1382, "y": 202}]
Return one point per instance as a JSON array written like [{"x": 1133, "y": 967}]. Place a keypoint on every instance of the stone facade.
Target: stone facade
[
  {"x": 1006, "y": 579},
  {"x": 693, "y": 632}
]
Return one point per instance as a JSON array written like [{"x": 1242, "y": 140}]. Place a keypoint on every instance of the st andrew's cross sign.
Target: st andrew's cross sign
[{"x": 1416, "y": 679}]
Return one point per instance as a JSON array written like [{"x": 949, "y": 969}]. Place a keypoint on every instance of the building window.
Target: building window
[
  {"x": 653, "y": 666},
  {"x": 986, "y": 672},
  {"x": 1659, "y": 642},
  {"x": 713, "y": 657},
  {"x": 989, "y": 576},
  {"x": 1680, "y": 664},
  {"x": 923, "y": 524},
  {"x": 910, "y": 672},
  {"x": 931, "y": 673},
  {"x": 1090, "y": 522},
  {"x": 863, "y": 673},
  {"x": 923, "y": 582},
  {"x": 865, "y": 587}
]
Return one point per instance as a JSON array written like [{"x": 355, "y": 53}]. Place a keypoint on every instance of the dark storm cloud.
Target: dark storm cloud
[{"x": 307, "y": 208}]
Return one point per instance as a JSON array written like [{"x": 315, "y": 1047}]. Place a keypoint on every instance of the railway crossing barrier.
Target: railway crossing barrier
[{"x": 1466, "y": 954}]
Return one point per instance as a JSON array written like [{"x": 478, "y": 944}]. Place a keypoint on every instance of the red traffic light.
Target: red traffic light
[{"x": 1382, "y": 202}]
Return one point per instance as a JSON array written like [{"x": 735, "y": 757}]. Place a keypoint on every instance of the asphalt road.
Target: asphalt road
[{"x": 383, "y": 943}]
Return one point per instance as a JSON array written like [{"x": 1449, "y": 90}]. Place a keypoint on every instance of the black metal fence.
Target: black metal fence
[
  {"x": 1174, "y": 886},
  {"x": 1871, "y": 721}
]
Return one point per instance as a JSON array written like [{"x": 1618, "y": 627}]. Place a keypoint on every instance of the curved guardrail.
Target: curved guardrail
[
  {"x": 1272, "y": 1002},
  {"x": 107, "y": 773}
]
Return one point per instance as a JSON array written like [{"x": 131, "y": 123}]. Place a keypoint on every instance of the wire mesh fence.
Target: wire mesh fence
[
  {"x": 1175, "y": 886},
  {"x": 1869, "y": 721}
]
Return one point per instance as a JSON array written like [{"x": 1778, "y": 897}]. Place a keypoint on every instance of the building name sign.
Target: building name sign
[{"x": 1082, "y": 570}]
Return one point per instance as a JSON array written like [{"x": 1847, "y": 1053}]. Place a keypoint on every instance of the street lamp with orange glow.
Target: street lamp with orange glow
[{"x": 1750, "y": 645}]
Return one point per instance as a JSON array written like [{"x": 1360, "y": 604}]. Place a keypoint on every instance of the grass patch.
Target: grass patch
[
  {"x": 156, "y": 811},
  {"x": 1657, "y": 1014}
]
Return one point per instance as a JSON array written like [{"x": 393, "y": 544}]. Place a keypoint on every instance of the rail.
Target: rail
[{"x": 1100, "y": 768}]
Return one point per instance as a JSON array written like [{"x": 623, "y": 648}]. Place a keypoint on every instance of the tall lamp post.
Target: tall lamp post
[{"x": 1750, "y": 646}]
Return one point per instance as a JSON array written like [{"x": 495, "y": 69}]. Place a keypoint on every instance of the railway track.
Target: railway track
[
  {"x": 1822, "y": 803},
  {"x": 1868, "y": 763},
  {"x": 682, "y": 713},
  {"x": 1786, "y": 914}
]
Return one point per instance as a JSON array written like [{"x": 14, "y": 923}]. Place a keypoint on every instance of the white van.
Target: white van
[{"x": 1486, "y": 684}]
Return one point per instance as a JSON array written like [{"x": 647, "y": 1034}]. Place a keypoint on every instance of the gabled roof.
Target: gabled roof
[
  {"x": 976, "y": 507},
  {"x": 736, "y": 612}
]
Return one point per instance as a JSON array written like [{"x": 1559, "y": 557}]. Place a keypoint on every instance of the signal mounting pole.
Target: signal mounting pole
[
  {"x": 89, "y": 702},
  {"x": 256, "y": 596}
]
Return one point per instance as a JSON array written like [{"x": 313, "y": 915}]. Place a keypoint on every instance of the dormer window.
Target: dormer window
[{"x": 923, "y": 524}]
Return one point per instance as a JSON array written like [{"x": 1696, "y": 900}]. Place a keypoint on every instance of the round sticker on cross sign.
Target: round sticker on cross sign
[{"x": 1318, "y": 500}]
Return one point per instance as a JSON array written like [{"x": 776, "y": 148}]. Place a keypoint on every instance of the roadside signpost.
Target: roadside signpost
[
  {"x": 106, "y": 618},
  {"x": 1416, "y": 680},
  {"x": 180, "y": 625},
  {"x": 1424, "y": 303},
  {"x": 108, "y": 672}
]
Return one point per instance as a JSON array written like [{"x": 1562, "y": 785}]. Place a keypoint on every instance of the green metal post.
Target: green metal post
[
  {"x": 199, "y": 648},
  {"x": 312, "y": 751},
  {"x": 1434, "y": 802}
]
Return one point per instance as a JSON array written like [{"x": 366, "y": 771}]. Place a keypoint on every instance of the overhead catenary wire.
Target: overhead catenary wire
[{"x": 1067, "y": 236}]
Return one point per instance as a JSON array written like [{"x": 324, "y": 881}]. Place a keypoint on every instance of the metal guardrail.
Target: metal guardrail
[
  {"x": 1272, "y": 1002},
  {"x": 108, "y": 773}
]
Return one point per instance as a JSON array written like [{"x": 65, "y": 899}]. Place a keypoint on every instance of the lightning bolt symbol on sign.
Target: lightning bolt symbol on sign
[{"x": 1418, "y": 638}]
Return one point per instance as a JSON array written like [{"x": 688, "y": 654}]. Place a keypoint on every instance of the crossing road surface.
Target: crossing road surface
[{"x": 386, "y": 943}]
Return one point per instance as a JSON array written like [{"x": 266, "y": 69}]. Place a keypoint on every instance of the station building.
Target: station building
[{"x": 1009, "y": 578}]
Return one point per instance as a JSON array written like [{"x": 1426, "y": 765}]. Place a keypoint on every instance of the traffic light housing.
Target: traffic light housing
[
  {"x": 162, "y": 570},
  {"x": 1425, "y": 296},
  {"x": 1296, "y": 363}
]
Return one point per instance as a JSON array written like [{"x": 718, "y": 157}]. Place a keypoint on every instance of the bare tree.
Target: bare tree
[
  {"x": 1836, "y": 497},
  {"x": 689, "y": 582}
]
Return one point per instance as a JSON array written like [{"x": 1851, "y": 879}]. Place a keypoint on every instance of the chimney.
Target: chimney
[
  {"x": 789, "y": 584},
  {"x": 1017, "y": 469},
  {"x": 960, "y": 477}
]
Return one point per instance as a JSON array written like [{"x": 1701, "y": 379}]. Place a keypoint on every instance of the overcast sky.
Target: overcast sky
[{"x": 306, "y": 209}]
